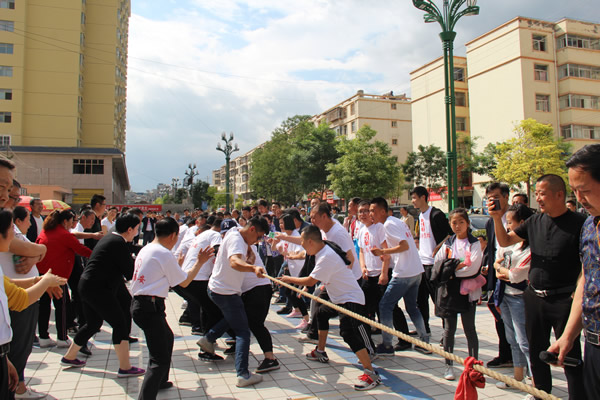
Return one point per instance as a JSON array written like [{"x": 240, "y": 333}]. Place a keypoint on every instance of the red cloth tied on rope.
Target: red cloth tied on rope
[{"x": 469, "y": 381}]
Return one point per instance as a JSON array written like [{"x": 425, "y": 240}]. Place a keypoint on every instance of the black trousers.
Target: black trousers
[
  {"x": 60, "y": 315},
  {"x": 23, "y": 325},
  {"x": 355, "y": 333},
  {"x": 195, "y": 293},
  {"x": 5, "y": 393},
  {"x": 426, "y": 291},
  {"x": 75, "y": 310},
  {"x": 373, "y": 292},
  {"x": 256, "y": 303},
  {"x": 147, "y": 236},
  {"x": 591, "y": 371},
  {"x": 149, "y": 314},
  {"x": 542, "y": 314}
]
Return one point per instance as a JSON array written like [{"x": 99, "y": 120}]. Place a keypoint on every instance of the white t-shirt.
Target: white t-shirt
[
  {"x": 250, "y": 279},
  {"x": 8, "y": 264},
  {"x": 78, "y": 228},
  {"x": 407, "y": 263},
  {"x": 39, "y": 222},
  {"x": 207, "y": 238},
  {"x": 339, "y": 281},
  {"x": 106, "y": 222},
  {"x": 518, "y": 261},
  {"x": 369, "y": 237},
  {"x": 6, "y": 333},
  {"x": 182, "y": 230},
  {"x": 295, "y": 266},
  {"x": 338, "y": 235},
  {"x": 426, "y": 239},
  {"x": 156, "y": 270},
  {"x": 459, "y": 250},
  {"x": 225, "y": 280},
  {"x": 186, "y": 242}
]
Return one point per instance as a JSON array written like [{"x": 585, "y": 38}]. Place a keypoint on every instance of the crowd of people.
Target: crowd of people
[{"x": 537, "y": 270}]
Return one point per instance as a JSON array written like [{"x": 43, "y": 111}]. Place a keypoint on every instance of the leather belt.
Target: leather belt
[
  {"x": 592, "y": 338},
  {"x": 4, "y": 349},
  {"x": 552, "y": 292}
]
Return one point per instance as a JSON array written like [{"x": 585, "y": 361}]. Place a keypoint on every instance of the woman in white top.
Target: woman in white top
[
  {"x": 512, "y": 269},
  {"x": 109, "y": 222}
]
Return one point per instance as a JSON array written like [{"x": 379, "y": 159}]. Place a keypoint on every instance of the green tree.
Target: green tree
[
  {"x": 532, "y": 153},
  {"x": 200, "y": 193},
  {"x": 220, "y": 199},
  {"x": 425, "y": 167},
  {"x": 313, "y": 148},
  {"x": 365, "y": 168}
]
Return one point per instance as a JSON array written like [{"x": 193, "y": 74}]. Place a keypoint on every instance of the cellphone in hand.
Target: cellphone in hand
[{"x": 496, "y": 203}]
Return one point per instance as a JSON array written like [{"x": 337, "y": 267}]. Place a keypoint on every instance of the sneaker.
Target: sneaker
[
  {"x": 368, "y": 380},
  {"x": 449, "y": 374},
  {"x": 45, "y": 343},
  {"x": 196, "y": 331},
  {"x": 422, "y": 350},
  {"x": 133, "y": 371},
  {"x": 502, "y": 385},
  {"x": 133, "y": 340},
  {"x": 402, "y": 346},
  {"x": 165, "y": 385},
  {"x": 279, "y": 300},
  {"x": 206, "y": 345},
  {"x": 72, "y": 363},
  {"x": 184, "y": 321},
  {"x": 31, "y": 394},
  {"x": 251, "y": 380},
  {"x": 36, "y": 341},
  {"x": 294, "y": 314},
  {"x": 230, "y": 350},
  {"x": 305, "y": 330},
  {"x": 499, "y": 363},
  {"x": 230, "y": 341},
  {"x": 308, "y": 339},
  {"x": 413, "y": 333},
  {"x": 303, "y": 324},
  {"x": 63, "y": 344},
  {"x": 72, "y": 331},
  {"x": 204, "y": 356},
  {"x": 529, "y": 397},
  {"x": 384, "y": 351},
  {"x": 184, "y": 305},
  {"x": 85, "y": 350},
  {"x": 316, "y": 355},
  {"x": 267, "y": 365},
  {"x": 284, "y": 310}
]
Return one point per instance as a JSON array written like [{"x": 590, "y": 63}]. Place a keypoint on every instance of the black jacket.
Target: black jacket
[
  {"x": 439, "y": 225},
  {"x": 32, "y": 232},
  {"x": 146, "y": 221}
]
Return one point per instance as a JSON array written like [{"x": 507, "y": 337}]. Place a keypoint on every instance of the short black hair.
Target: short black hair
[
  {"x": 572, "y": 202},
  {"x": 166, "y": 227},
  {"x": 33, "y": 200},
  {"x": 16, "y": 184},
  {"x": 419, "y": 191},
  {"x": 294, "y": 213},
  {"x": 588, "y": 159},
  {"x": 216, "y": 222},
  {"x": 523, "y": 195},
  {"x": 86, "y": 212},
  {"x": 259, "y": 223},
  {"x": 404, "y": 208},
  {"x": 313, "y": 233},
  {"x": 97, "y": 198},
  {"x": 382, "y": 203},
  {"x": 20, "y": 213},
  {"x": 126, "y": 221},
  {"x": 461, "y": 212},
  {"x": 262, "y": 202},
  {"x": 276, "y": 203},
  {"x": 288, "y": 222},
  {"x": 7, "y": 163},
  {"x": 6, "y": 220},
  {"x": 364, "y": 203},
  {"x": 246, "y": 208},
  {"x": 522, "y": 212},
  {"x": 135, "y": 211},
  {"x": 211, "y": 219},
  {"x": 555, "y": 182},
  {"x": 503, "y": 187},
  {"x": 323, "y": 208},
  {"x": 355, "y": 200}
]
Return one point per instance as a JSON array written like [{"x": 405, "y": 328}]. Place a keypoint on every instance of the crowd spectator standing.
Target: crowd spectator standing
[
  {"x": 408, "y": 219},
  {"x": 37, "y": 219},
  {"x": 148, "y": 228}
]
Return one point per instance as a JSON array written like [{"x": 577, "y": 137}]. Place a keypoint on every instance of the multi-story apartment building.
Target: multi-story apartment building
[
  {"x": 63, "y": 67},
  {"x": 525, "y": 68},
  {"x": 388, "y": 114},
  {"x": 239, "y": 176}
]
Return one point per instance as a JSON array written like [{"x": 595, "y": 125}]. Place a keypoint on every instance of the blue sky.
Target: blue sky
[{"x": 201, "y": 67}]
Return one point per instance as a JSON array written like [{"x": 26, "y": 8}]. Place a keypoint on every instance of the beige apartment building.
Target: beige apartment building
[
  {"x": 239, "y": 176},
  {"x": 63, "y": 71},
  {"x": 388, "y": 114},
  {"x": 525, "y": 68}
]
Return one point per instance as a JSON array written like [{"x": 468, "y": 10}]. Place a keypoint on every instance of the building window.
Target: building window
[
  {"x": 394, "y": 124},
  {"x": 539, "y": 42},
  {"x": 394, "y": 106},
  {"x": 579, "y": 101},
  {"x": 578, "y": 71},
  {"x": 5, "y": 117},
  {"x": 394, "y": 142},
  {"x": 88, "y": 167},
  {"x": 540, "y": 72},
  {"x": 352, "y": 110},
  {"x": 6, "y": 70},
  {"x": 5, "y": 94},
  {"x": 461, "y": 124},
  {"x": 542, "y": 102},
  {"x": 7, "y": 4},
  {"x": 460, "y": 99},
  {"x": 579, "y": 42},
  {"x": 4, "y": 141},
  {"x": 8, "y": 26},
  {"x": 459, "y": 74},
  {"x": 6, "y": 48},
  {"x": 353, "y": 126},
  {"x": 580, "y": 132}
]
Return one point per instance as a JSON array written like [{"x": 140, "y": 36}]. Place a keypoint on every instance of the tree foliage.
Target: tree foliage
[
  {"x": 365, "y": 168},
  {"x": 220, "y": 199},
  {"x": 200, "y": 194},
  {"x": 426, "y": 166},
  {"x": 534, "y": 152}
]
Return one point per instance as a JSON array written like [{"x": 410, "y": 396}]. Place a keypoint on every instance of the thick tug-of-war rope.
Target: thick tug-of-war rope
[{"x": 435, "y": 349}]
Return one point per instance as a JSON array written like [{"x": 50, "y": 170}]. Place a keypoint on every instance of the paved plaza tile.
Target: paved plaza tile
[{"x": 409, "y": 375}]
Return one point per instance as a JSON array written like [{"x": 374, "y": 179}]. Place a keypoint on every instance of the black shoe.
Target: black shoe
[
  {"x": 165, "y": 385},
  {"x": 402, "y": 346},
  {"x": 413, "y": 333},
  {"x": 230, "y": 350},
  {"x": 85, "y": 350},
  {"x": 284, "y": 310},
  {"x": 230, "y": 341},
  {"x": 499, "y": 363},
  {"x": 132, "y": 339},
  {"x": 280, "y": 300},
  {"x": 267, "y": 365},
  {"x": 198, "y": 331},
  {"x": 204, "y": 356}
]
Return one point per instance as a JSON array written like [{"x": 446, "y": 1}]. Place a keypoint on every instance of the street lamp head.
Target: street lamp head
[
  {"x": 471, "y": 3},
  {"x": 420, "y": 4},
  {"x": 429, "y": 18},
  {"x": 230, "y": 136},
  {"x": 223, "y": 136},
  {"x": 219, "y": 147},
  {"x": 236, "y": 148},
  {"x": 472, "y": 10}
]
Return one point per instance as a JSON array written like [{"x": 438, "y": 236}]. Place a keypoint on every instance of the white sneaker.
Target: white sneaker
[
  {"x": 45, "y": 343},
  {"x": 529, "y": 397},
  {"x": 63, "y": 344},
  {"x": 252, "y": 380},
  {"x": 184, "y": 305},
  {"x": 449, "y": 375},
  {"x": 502, "y": 385},
  {"x": 30, "y": 394}
]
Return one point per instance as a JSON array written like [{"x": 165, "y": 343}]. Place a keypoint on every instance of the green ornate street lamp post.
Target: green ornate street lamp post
[
  {"x": 447, "y": 18},
  {"x": 227, "y": 150}
]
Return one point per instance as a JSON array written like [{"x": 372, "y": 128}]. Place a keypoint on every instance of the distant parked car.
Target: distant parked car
[{"x": 478, "y": 221}]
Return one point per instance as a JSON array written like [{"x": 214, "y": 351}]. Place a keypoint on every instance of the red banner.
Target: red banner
[{"x": 143, "y": 207}]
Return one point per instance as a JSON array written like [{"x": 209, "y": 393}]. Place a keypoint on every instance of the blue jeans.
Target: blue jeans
[
  {"x": 235, "y": 318},
  {"x": 513, "y": 315},
  {"x": 398, "y": 288}
]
